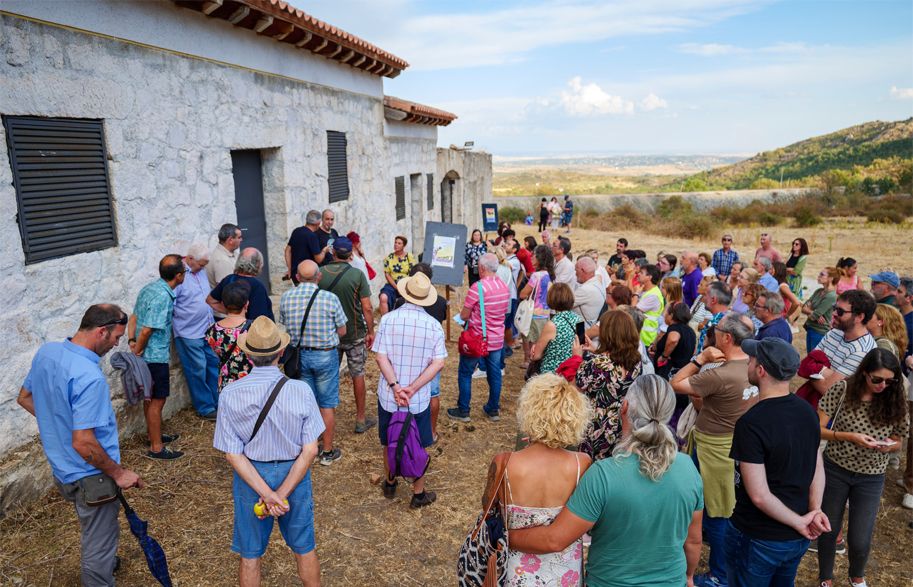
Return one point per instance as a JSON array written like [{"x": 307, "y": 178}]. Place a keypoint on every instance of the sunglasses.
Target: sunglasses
[
  {"x": 876, "y": 380},
  {"x": 727, "y": 240},
  {"x": 122, "y": 321},
  {"x": 840, "y": 311}
]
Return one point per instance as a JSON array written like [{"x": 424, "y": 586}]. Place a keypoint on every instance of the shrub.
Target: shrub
[
  {"x": 512, "y": 214},
  {"x": 885, "y": 215},
  {"x": 768, "y": 218},
  {"x": 689, "y": 225},
  {"x": 674, "y": 206},
  {"x": 805, "y": 216}
]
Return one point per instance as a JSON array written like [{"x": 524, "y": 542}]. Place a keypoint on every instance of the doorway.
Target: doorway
[
  {"x": 449, "y": 186},
  {"x": 247, "y": 170}
]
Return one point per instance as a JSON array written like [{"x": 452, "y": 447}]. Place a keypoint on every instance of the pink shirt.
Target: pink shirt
[{"x": 496, "y": 296}]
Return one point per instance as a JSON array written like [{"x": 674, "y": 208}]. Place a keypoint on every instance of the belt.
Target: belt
[
  {"x": 275, "y": 462},
  {"x": 312, "y": 348}
]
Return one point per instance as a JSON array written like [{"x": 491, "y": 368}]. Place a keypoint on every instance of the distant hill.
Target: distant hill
[{"x": 873, "y": 152}]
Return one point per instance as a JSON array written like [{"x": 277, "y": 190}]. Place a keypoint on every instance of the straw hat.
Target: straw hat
[
  {"x": 417, "y": 289},
  {"x": 263, "y": 338}
]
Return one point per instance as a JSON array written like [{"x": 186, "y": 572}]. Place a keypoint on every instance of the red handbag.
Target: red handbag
[{"x": 470, "y": 345}]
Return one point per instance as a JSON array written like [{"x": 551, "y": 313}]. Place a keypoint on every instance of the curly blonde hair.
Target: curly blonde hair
[{"x": 552, "y": 411}]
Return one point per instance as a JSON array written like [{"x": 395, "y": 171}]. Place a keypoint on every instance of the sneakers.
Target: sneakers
[
  {"x": 420, "y": 500},
  {"x": 479, "y": 374},
  {"x": 494, "y": 416},
  {"x": 166, "y": 454},
  {"x": 907, "y": 502},
  {"x": 210, "y": 417},
  {"x": 863, "y": 584},
  {"x": 328, "y": 457},
  {"x": 707, "y": 580},
  {"x": 508, "y": 351},
  {"x": 458, "y": 415},
  {"x": 362, "y": 427},
  {"x": 169, "y": 438},
  {"x": 389, "y": 489}
]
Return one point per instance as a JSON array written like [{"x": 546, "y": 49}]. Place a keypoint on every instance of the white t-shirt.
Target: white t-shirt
[
  {"x": 603, "y": 276},
  {"x": 515, "y": 268},
  {"x": 564, "y": 272},
  {"x": 361, "y": 265},
  {"x": 589, "y": 298}
]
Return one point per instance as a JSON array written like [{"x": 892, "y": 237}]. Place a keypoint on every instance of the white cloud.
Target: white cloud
[
  {"x": 709, "y": 49},
  {"x": 652, "y": 102},
  {"x": 901, "y": 93},
  {"x": 590, "y": 99}
]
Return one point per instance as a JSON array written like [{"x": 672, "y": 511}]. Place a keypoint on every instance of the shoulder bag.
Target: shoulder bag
[
  {"x": 470, "y": 345},
  {"x": 524, "y": 317},
  {"x": 833, "y": 421},
  {"x": 267, "y": 406},
  {"x": 482, "y": 561}
]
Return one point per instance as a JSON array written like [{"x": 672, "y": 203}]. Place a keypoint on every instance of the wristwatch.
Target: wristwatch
[
  {"x": 696, "y": 364},
  {"x": 392, "y": 385}
]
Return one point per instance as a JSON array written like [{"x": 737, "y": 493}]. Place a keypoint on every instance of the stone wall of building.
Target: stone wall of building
[
  {"x": 170, "y": 124},
  {"x": 413, "y": 157},
  {"x": 472, "y": 176}
]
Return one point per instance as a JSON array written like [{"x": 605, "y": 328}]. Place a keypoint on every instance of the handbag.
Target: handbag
[
  {"x": 482, "y": 561},
  {"x": 472, "y": 346},
  {"x": 523, "y": 320},
  {"x": 97, "y": 489},
  {"x": 833, "y": 421},
  {"x": 291, "y": 358}
]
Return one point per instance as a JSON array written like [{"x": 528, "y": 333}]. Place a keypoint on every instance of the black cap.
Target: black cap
[{"x": 777, "y": 356}]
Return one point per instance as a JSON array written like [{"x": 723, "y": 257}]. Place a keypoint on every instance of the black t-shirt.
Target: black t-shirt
[
  {"x": 437, "y": 310},
  {"x": 782, "y": 433},
  {"x": 305, "y": 245},
  {"x": 259, "y": 303},
  {"x": 323, "y": 238},
  {"x": 683, "y": 351}
]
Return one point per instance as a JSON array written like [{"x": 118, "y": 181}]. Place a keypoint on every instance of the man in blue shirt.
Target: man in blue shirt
[
  {"x": 769, "y": 310},
  {"x": 150, "y": 338},
  {"x": 192, "y": 317},
  {"x": 763, "y": 265},
  {"x": 724, "y": 257},
  {"x": 68, "y": 394},
  {"x": 249, "y": 265}
]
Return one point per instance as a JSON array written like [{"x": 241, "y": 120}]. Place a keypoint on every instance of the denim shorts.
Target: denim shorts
[
  {"x": 422, "y": 420},
  {"x": 436, "y": 385},
  {"x": 251, "y": 535},
  {"x": 320, "y": 370}
]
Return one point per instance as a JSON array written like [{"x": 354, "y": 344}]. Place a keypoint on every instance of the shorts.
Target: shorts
[
  {"x": 356, "y": 355},
  {"x": 251, "y": 535},
  {"x": 436, "y": 385},
  {"x": 535, "y": 328},
  {"x": 422, "y": 420},
  {"x": 161, "y": 380},
  {"x": 320, "y": 370},
  {"x": 392, "y": 295}
]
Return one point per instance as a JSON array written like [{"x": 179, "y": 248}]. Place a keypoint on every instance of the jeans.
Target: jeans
[
  {"x": 201, "y": 369},
  {"x": 812, "y": 339},
  {"x": 751, "y": 562},
  {"x": 714, "y": 531},
  {"x": 493, "y": 372},
  {"x": 864, "y": 495},
  {"x": 320, "y": 370}
]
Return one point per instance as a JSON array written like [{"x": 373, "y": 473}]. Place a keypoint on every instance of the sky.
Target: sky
[{"x": 550, "y": 77}]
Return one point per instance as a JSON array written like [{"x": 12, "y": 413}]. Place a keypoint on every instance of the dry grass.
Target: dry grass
[{"x": 363, "y": 539}]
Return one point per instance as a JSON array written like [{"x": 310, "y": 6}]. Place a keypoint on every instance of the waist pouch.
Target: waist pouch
[{"x": 97, "y": 489}]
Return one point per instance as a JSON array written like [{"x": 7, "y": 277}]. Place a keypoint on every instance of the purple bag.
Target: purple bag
[{"x": 406, "y": 456}]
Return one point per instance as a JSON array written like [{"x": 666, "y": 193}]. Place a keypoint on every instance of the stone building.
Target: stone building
[{"x": 132, "y": 129}]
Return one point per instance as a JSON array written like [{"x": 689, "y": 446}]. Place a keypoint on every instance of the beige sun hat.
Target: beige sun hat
[
  {"x": 263, "y": 338},
  {"x": 417, "y": 289}
]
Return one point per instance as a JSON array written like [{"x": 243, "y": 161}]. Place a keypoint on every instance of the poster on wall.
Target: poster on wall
[
  {"x": 489, "y": 217},
  {"x": 445, "y": 248}
]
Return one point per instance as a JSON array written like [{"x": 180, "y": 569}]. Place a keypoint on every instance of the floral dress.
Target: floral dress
[
  {"x": 560, "y": 348},
  {"x": 221, "y": 340},
  {"x": 473, "y": 253},
  {"x": 564, "y": 569},
  {"x": 606, "y": 384}
]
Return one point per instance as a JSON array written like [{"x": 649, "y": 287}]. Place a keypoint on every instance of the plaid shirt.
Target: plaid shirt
[
  {"x": 722, "y": 261},
  {"x": 325, "y": 318},
  {"x": 410, "y": 339}
]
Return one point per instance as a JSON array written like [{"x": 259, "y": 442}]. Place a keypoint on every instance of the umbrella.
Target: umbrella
[{"x": 155, "y": 556}]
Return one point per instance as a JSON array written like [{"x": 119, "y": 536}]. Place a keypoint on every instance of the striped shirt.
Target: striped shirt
[
  {"x": 845, "y": 355},
  {"x": 411, "y": 339},
  {"x": 496, "y": 297},
  {"x": 325, "y": 318},
  {"x": 293, "y": 422}
]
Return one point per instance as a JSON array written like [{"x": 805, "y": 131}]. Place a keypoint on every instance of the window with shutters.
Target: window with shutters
[
  {"x": 337, "y": 166},
  {"x": 430, "y": 177},
  {"x": 63, "y": 194},
  {"x": 400, "y": 197}
]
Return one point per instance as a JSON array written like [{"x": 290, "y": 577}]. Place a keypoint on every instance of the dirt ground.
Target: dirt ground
[{"x": 362, "y": 538}]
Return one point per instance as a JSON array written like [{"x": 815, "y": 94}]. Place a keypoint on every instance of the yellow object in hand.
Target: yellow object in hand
[{"x": 260, "y": 508}]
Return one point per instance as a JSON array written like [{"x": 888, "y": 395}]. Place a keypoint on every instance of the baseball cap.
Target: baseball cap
[
  {"x": 888, "y": 277},
  {"x": 777, "y": 356},
  {"x": 342, "y": 244}
]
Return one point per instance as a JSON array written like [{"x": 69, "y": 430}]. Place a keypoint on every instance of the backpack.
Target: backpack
[{"x": 406, "y": 456}]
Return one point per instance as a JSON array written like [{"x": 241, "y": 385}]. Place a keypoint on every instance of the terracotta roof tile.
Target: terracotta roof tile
[{"x": 419, "y": 113}]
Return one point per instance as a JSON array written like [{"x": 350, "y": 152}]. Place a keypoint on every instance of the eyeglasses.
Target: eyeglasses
[
  {"x": 727, "y": 240},
  {"x": 840, "y": 311},
  {"x": 876, "y": 380},
  {"x": 122, "y": 321}
]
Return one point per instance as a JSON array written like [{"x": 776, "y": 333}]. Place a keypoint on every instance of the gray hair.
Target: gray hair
[
  {"x": 586, "y": 263},
  {"x": 721, "y": 292},
  {"x": 313, "y": 217},
  {"x": 250, "y": 262},
  {"x": 264, "y": 361},
  {"x": 737, "y": 325},
  {"x": 773, "y": 301},
  {"x": 635, "y": 314},
  {"x": 226, "y": 231},
  {"x": 198, "y": 251},
  {"x": 651, "y": 402},
  {"x": 490, "y": 262},
  {"x": 765, "y": 262}
]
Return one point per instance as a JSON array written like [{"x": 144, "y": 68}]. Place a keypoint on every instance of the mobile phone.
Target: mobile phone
[
  {"x": 581, "y": 332},
  {"x": 330, "y": 242},
  {"x": 885, "y": 442}
]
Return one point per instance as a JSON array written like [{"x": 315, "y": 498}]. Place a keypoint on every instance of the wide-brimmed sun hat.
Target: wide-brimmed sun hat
[
  {"x": 417, "y": 290},
  {"x": 263, "y": 338}
]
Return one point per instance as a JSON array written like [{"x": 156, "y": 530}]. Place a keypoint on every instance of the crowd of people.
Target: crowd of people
[{"x": 657, "y": 412}]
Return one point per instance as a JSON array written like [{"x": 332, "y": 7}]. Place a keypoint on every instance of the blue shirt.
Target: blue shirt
[
  {"x": 71, "y": 393},
  {"x": 776, "y": 328},
  {"x": 292, "y": 422},
  {"x": 324, "y": 321},
  {"x": 769, "y": 283},
  {"x": 259, "y": 303},
  {"x": 192, "y": 315},
  {"x": 722, "y": 261},
  {"x": 154, "y": 308}
]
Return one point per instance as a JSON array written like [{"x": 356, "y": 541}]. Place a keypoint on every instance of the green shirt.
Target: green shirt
[
  {"x": 822, "y": 304},
  {"x": 350, "y": 289},
  {"x": 640, "y": 525}
]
